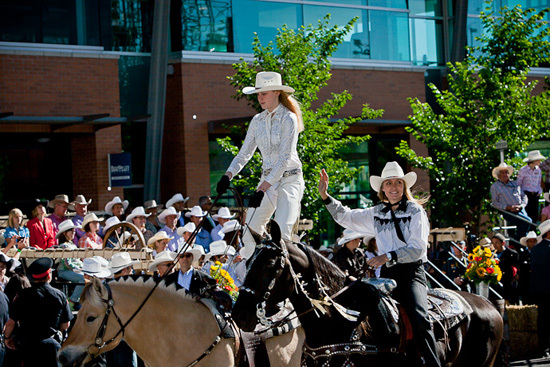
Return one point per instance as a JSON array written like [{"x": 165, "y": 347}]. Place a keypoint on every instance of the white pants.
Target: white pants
[{"x": 284, "y": 199}]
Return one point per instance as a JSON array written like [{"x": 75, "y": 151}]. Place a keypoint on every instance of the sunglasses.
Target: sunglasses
[{"x": 186, "y": 255}]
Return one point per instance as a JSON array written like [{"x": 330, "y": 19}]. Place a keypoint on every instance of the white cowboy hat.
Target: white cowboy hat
[
  {"x": 11, "y": 263},
  {"x": 485, "y": 242},
  {"x": 266, "y": 81},
  {"x": 195, "y": 211},
  {"x": 137, "y": 212},
  {"x": 219, "y": 248},
  {"x": 110, "y": 222},
  {"x": 232, "y": 225},
  {"x": 162, "y": 257},
  {"x": 94, "y": 266},
  {"x": 223, "y": 213},
  {"x": 188, "y": 227},
  {"x": 166, "y": 212},
  {"x": 190, "y": 250},
  {"x": 121, "y": 260},
  {"x": 534, "y": 155},
  {"x": 392, "y": 170},
  {"x": 200, "y": 249},
  {"x": 150, "y": 204},
  {"x": 64, "y": 227},
  {"x": 116, "y": 200},
  {"x": 530, "y": 235},
  {"x": 160, "y": 235},
  {"x": 349, "y": 235},
  {"x": 325, "y": 248},
  {"x": 175, "y": 199},
  {"x": 58, "y": 199},
  {"x": 90, "y": 218},
  {"x": 543, "y": 228},
  {"x": 500, "y": 167},
  {"x": 367, "y": 239}
]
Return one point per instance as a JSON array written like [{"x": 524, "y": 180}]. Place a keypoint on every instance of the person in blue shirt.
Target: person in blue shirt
[
  {"x": 15, "y": 227},
  {"x": 203, "y": 237}
]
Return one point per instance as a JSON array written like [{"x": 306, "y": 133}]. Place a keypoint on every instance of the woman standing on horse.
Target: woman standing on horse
[
  {"x": 401, "y": 228},
  {"x": 275, "y": 133}
]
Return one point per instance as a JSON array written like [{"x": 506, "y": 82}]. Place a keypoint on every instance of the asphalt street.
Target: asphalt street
[{"x": 540, "y": 362}]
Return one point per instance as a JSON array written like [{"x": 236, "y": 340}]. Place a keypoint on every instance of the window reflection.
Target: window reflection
[{"x": 426, "y": 35}]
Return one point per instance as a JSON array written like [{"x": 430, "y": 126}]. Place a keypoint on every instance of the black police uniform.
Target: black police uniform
[{"x": 40, "y": 310}]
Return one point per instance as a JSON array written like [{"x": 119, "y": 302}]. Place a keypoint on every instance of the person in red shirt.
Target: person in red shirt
[{"x": 42, "y": 233}]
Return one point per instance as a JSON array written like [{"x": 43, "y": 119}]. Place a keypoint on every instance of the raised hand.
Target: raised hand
[{"x": 323, "y": 184}]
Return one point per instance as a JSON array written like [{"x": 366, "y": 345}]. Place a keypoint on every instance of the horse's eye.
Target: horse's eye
[{"x": 91, "y": 318}]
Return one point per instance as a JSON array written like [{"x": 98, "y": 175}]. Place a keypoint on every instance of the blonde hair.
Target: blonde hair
[
  {"x": 408, "y": 194},
  {"x": 15, "y": 212},
  {"x": 294, "y": 106}
]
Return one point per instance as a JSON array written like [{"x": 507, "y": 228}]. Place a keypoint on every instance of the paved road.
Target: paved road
[{"x": 541, "y": 362}]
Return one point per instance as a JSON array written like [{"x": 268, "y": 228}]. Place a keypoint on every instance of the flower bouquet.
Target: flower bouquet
[
  {"x": 483, "y": 267},
  {"x": 224, "y": 280}
]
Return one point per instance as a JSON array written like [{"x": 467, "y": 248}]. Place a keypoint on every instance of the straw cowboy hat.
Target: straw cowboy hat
[
  {"x": 266, "y": 81},
  {"x": 543, "y": 228},
  {"x": 485, "y": 242},
  {"x": 64, "y": 227},
  {"x": 534, "y": 155},
  {"x": 163, "y": 257},
  {"x": 166, "y": 212},
  {"x": 159, "y": 236},
  {"x": 232, "y": 225},
  {"x": 116, "y": 200},
  {"x": 79, "y": 199},
  {"x": 110, "y": 222},
  {"x": 218, "y": 248},
  {"x": 190, "y": 250},
  {"x": 500, "y": 167},
  {"x": 195, "y": 211},
  {"x": 175, "y": 199},
  {"x": 392, "y": 170},
  {"x": 530, "y": 235},
  {"x": 90, "y": 218},
  {"x": 58, "y": 199},
  {"x": 151, "y": 204},
  {"x": 93, "y": 266},
  {"x": 223, "y": 213},
  {"x": 188, "y": 227},
  {"x": 121, "y": 260},
  {"x": 137, "y": 212},
  {"x": 349, "y": 235}
]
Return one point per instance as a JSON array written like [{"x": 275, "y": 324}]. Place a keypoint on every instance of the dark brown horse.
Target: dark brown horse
[{"x": 280, "y": 270}]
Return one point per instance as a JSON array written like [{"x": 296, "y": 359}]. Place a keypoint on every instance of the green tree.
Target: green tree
[
  {"x": 301, "y": 56},
  {"x": 489, "y": 99}
]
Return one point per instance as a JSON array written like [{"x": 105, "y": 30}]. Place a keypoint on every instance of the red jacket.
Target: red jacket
[{"x": 41, "y": 238}]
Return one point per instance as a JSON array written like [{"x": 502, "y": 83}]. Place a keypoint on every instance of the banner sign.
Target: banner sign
[{"x": 120, "y": 170}]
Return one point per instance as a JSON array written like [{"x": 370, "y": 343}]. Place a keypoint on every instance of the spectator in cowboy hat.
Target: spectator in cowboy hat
[
  {"x": 139, "y": 218},
  {"x": 205, "y": 202},
  {"x": 508, "y": 196},
  {"x": 219, "y": 251},
  {"x": 203, "y": 237},
  {"x": 178, "y": 202},
  {"x": 231, "y": 232},
  {"x": 194, "y": 281},
  {"x": 524, "y": 281},
  {"x": 122, "y": 264},
  {"x": 169, "y": 217},
  {"x": 42, "y": 233},
  {"x": 152, "y": 208},
  {"x": 59, "y": 205},
  {"x": 159, "y": 242},
  {"x": 116, "y": 207},
  {"x": 90, "y": 226},
  {"x": 95, "y": 266},
  {"x": 326, "y": 251},
  {"x": 540, "y": 286},
  {"x": 117, "y": 239},
  {"x": 186, "y": 231},
  {"x": 70, "y": 269},
  {"x": 508, "y": 261},
  {"x": 223, "y": 216},
  {"x": 80, "y": 206},
  {"x": 350, "y": 258},
  {"x": 529, "y": 179},
  {"x": 162, "y": 263}
]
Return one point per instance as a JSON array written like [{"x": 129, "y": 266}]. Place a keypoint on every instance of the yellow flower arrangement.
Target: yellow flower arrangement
[
  {"x": 224, "y": 280},
  {"x": 483, "y": 267}
]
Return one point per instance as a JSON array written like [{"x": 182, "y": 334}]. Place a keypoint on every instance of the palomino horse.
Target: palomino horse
[
  {"x": 172, "y": 328},
  {"x": 280, "y": 270}
]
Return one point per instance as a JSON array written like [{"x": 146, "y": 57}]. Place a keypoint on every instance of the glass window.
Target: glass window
[
  {"x": 132, "y": 24},
  {"x": 264, "y": 18},
  {"x": 347, "y": 2},
  {"x": 427, "y": 42},
  {"x": 389, "y": 35},
  {"x": 474, "y": 28},
  {"x": 398, "y": 4},
  {"x": 430, "y": 8}
]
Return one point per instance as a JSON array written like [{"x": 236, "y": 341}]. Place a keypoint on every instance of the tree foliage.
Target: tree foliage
[
  {"x": 301, "y": 56},
  {"x": 489, "y": 99}
]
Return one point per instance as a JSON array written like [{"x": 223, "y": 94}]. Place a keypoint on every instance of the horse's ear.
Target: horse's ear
[
  {"x": 256, "y": 236},
  {"x": 98, "y": 287},
  {"x": 275, "y": 232}
]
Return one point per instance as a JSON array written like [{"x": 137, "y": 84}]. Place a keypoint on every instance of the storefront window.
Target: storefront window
[{"x": 426, "y": 36}]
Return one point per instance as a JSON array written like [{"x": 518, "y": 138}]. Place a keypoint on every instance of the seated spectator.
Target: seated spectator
[
  {"x": 454, "y": 266},
  {"x": 70, "y": 269},
  {"x": 178, "y": 202},
  {"x": 194, "y": 281},
  {"x": 95, "y": 266},
  {"x": 152, "y": 208},
  {"x": 524, "y": 281},
  {"x": 80, "y": 206},
  {"x": 139, "y": 218},
  {"x": 169, "y": 217},
  {"x": 205, "y": 202},
  {"x": 371, "y": 250},
  {"x": 59, "y": 205},
  {"x": 350, "y": 258},
  {"x": 529, "y": 179},
  {"x": 223, "y": 216},
  {"x": 508, "y": 263},
  {"x": 90, "y": 225},
  {"x": 162, "y": 263},
  {"x": 203, "y": 236},
  {"x": 219, "y": 252},
  {"x": 42, "y": 233},
  {"x": 545, "y": 212},
  {"x": 326, "y": 251},
  {"x": 159, "y": 242},
  {"x": 15, "y": 227},
  {"x": 186, "y": 231},
  {"x": 116, "y": 207},
  {"x": 116, "y": 239},
  {"x": 122, "y": 264},
  {"x": 507, "y": 195},
  {"x": 198, "y": 264},
  {"x": 231, "y": 232}
]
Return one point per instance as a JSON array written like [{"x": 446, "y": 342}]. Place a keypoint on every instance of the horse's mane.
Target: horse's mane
[{"x": 330, "y": 274}]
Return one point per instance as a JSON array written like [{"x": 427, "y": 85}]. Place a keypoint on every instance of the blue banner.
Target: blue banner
[{"x": 120, "y": 170}]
